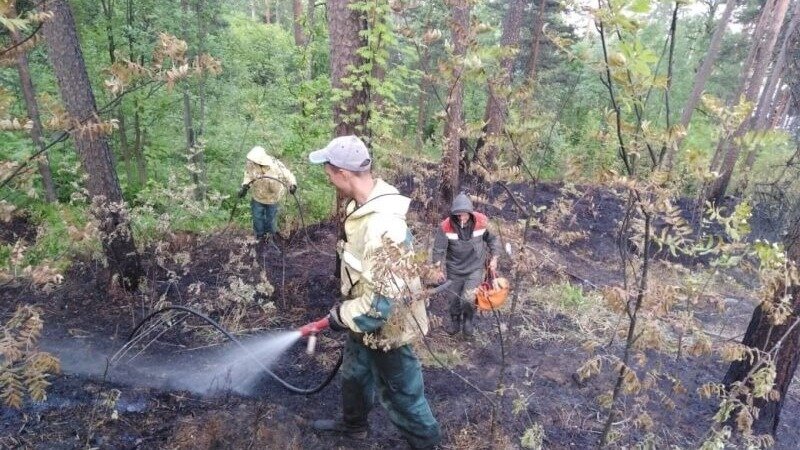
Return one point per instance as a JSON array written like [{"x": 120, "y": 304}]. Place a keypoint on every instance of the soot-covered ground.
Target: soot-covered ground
[{"x": 146, "y": 401}]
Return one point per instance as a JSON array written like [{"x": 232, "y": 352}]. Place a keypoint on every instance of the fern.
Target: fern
[{"x": 23, "y": 369}]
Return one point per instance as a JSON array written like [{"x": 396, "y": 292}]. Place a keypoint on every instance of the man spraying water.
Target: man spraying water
[{"x": 377, "y": 353}]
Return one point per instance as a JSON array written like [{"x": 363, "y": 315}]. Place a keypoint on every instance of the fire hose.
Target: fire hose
[
  {"x": 288, "y": 386},
  {"x": 309, "y": 331}
]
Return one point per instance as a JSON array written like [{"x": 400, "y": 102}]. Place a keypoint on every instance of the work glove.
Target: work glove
[
  {"x": 335, "y": 319},
  {"x": 293, "y": 189},
  {"x": 243, "y": 190}
]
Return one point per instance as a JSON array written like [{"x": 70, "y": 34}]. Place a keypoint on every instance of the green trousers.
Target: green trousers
[{"x": 397, "y": 375}]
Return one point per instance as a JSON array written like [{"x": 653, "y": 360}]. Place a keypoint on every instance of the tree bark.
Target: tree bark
[
  {"x": 761, "y": 53},
  {"x": 298, "y": 23},
  {"x": 497, "y": 103},
  {"x": 538, "y": 28},
  {"x": 267, "y": 12},
  {"x": 701, "y": 78},
  {"x": 762, "y": 334},
  {"x": 350, "y": 113},
  {"x": 64, "y": 52},
  {"x": 454, "y": 126},
  {"x": 32, "y": 107},
  {"x": 781, "y": 109}
]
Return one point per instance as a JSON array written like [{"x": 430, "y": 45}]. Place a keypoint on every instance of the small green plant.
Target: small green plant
[
  {"x": 570, "y": 296},
  {"x": 533, "y": 437}
]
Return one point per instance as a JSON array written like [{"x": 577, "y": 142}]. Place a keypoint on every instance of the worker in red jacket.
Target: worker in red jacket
[{"x": 462, "y": 247}]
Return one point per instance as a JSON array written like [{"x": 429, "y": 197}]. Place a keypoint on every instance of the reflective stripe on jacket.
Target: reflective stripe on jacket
[
  {"x": 373, "y": 301},
  {"x": 464, "y": 256}
]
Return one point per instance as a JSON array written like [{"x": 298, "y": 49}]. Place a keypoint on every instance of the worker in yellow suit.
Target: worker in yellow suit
[{"x": 269, "y": 180}]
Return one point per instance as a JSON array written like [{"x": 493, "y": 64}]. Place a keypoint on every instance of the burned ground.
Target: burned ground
[{"x": 123, "y": 407}]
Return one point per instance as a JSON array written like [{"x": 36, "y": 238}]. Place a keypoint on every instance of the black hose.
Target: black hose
[{"x": 291, "y": 388}]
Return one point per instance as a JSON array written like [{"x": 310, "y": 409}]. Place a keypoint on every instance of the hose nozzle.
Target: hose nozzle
[
  {"x": 310, "y": 331},
  {"x": 314, "y": 327}
]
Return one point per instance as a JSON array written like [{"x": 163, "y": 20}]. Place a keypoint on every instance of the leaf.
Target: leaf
[{"x": 640, "y": 6}]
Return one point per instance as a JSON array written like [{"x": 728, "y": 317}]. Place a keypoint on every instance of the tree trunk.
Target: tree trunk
[
  {"x": 267, "y": 13},
  {"x": 310, "y": 15},
  {"x": 538, "y": 27},
  {"x": 252, "y": 9},
  {"x": 762, "y": 334},
  {"x": 138, "y": 147},
  {"x": 422, "y": 98},
  {"x": 190, "y": 133},
  {"x": 64, "y": 52},
  {"x": 701, "y": 78},
  {"x": 497, "y": 103},
  {"x": 350, "y": 113},
  {"x": 108, "y": 11},
  {"x": 136, "y": 151},
  {"x": 760, "y": 56},
  {"x": 202, "y": 33},
  {"x": 32, "y": 107},
  {"x": 766, "y": 103},
  {"x": 459, "y": 28},
  {"x": 125, "y": 148},
  {"x": 781, "y": 109},
  {"x": 298, "y": 23}
]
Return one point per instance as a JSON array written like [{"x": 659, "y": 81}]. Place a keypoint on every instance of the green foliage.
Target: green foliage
[
  {"x": 533, "y": 437},
  {"x": 570, "y": 296}
]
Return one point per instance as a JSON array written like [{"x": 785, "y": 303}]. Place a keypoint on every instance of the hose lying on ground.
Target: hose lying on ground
[{"x": 289, "y": 387}]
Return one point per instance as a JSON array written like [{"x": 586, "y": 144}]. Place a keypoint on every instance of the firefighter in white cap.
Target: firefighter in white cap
[{"x": 269, "y": 180}]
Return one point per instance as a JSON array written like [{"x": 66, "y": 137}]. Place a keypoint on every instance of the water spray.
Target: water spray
[{"x": 309, "y": 330}]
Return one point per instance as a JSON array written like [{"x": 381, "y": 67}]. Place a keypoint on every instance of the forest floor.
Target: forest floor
[{"x": 138, "y": 404}]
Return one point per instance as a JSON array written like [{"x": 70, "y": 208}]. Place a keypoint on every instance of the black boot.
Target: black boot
[
  {"x": 340, "y": 427},
  {"x": 455, "y": 324},
  {"x": 469, "y": 329}
]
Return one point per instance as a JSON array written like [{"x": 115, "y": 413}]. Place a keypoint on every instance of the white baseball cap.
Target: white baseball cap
[{"x": 345, "y": 152}]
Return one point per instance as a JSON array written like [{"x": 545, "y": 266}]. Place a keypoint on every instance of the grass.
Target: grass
[
  {"x": 443, "y": 351},
  {"x": 563, "y": 311},
  {"x": 53, "y": 241}
]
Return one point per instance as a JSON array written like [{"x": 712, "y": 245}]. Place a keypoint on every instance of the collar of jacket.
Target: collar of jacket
[
  {"x": 480, "y": 224},
  {"x": 384, "y": 198}
]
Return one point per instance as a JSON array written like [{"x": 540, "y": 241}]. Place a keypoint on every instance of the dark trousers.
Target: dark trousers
[
  {"x": 264, "y": 216},
  {"x": 397, "y": 375},
  {"x": 461, "y": 294}
]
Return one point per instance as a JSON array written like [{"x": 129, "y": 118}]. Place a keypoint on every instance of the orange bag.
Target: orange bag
[{"x": 487, "y": 297}]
